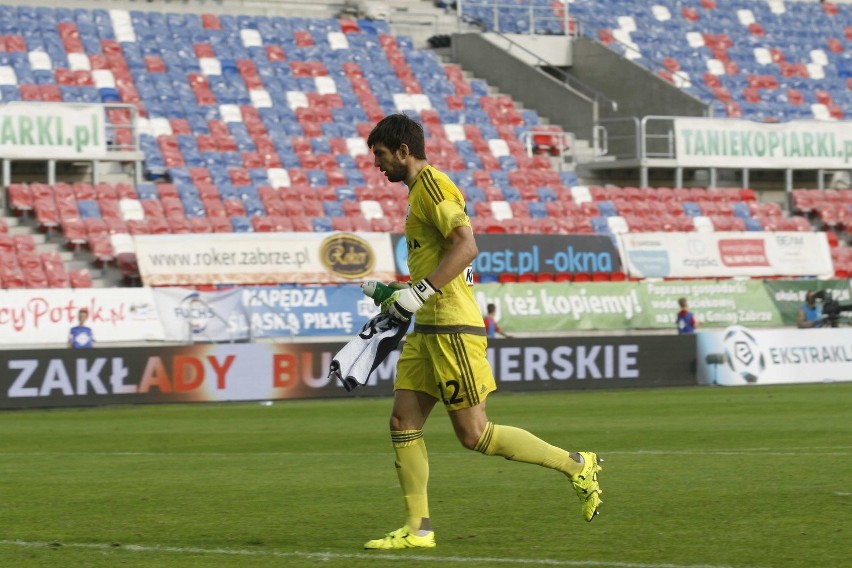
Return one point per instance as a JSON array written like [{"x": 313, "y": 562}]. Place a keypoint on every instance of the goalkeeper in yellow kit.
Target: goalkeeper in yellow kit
[{"x": 444, "y": 357}]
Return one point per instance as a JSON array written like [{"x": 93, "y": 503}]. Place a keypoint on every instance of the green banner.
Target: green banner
[
  {"x": 555, "y": 307},
  {"x": 563, "y": 307},
  {"x": 713, "y": 303},
  {"x": 789, "y": 295}
]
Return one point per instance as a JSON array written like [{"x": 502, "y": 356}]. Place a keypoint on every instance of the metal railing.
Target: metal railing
[
  {"x": 558, "y": 73},
  {"x": 527, "y": 19},
  {"x": 115, "y": 142},
  {"x": 632, "y": 138}
]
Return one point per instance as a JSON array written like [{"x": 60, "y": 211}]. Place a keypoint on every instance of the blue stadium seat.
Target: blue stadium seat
[
  {"x": 692, "y": 209},
  {"x": 474, "y": 194},
  {"x": 741, "y": 210},
  {"x": 193, "y": 207},
  {"x": 241, "y": 224},
  {"x": 345, "y": 193},
  {"x": 186, "y": 190},
  {"x": 146, "y": 191},
  {"x": 511, "y": 194},
  {"x": 607, "y": 209},
  {"x": 322, "y": 224},
  {"x": 546, "y": 194},
  {"x": 333, "y": 209},
  {"x": 599, "y": 225},
  {"x": 254, "y": 207},
  {"x": 537, "y": 209},
  {"x": 89, "y": 209},
  {"x": 752, "y": 224}
]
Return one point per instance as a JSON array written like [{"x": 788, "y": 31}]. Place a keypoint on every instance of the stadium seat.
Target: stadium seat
[{"x": 21, "y": 200}]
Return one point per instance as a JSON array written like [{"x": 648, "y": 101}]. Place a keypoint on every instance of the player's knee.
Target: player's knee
[
  {"x": 468, "y": 442},
  {"x": 469, "y": 439},
  {"x": 399, "y": 424}
]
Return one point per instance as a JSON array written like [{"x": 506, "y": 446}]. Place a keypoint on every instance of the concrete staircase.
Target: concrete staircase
[{"x": 74, "y": 260}]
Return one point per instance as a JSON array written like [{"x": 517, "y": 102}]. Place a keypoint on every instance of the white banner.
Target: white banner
[
  {"x": 705, "y": 142},
  {"x": 191, "y": 316},
  {"x": 741, "y": 356},
  {"x": 46, "y": 316},
  {"x": 263, "y": 258},
  {"x": 715, "y": 255},
  {"x": 52, "y": 131}
]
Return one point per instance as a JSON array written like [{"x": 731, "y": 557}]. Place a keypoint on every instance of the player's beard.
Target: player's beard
[{"x": 396, "y": 172}]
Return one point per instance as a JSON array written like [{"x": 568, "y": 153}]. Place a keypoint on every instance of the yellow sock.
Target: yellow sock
[
  {"x": 412, "y": 467},
  {"x": 519, "y": 445}
]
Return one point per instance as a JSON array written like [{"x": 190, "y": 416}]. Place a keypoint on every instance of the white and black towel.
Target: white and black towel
[{"x": 353, "y": 364}]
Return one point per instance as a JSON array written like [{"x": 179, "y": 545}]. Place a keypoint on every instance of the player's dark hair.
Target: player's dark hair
[{"x": 397, "y": 129}]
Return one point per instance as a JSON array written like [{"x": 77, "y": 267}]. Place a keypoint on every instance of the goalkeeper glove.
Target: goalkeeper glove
[
  {"x": 380, "y": 292},
  {"x": 403, "y": 303}
]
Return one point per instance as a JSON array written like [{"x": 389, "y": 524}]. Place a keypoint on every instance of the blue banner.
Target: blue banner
[
  {"x": 291, "y": 311},
  {"x": 533, "y": 254}
]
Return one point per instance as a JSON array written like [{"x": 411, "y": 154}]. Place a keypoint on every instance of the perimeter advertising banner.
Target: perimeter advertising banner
[
  {"x": 789, "y": 297},
  {"x": 741, "y": 356},
  {"x": 714, "y": 255},
  {"x": 713, "y": 303},
  {"x": 563, "y": 306},
  {"x": 626, "y": 305},
  {"x": 243, "y": 372},
  {"x": 524, "y": 254},
  {"x": 192, "y": 316},
  {"x": 263, "y": 258},
  {"x": 45, "y": 316},
  {"x": 299, "y": 311},
  {"x": 59, "y": 131},
  {"x": 702, "y": 142}
]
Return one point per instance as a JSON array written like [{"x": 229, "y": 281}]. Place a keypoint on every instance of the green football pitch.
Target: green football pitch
[{"x": 757, "y": 477}]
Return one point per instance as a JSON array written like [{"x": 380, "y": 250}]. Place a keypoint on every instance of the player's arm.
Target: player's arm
[
  {"x": 458, "y": 257},
  {"x": 461, "y": 253}
]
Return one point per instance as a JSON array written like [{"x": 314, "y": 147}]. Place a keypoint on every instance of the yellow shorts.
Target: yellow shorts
[{"x": 451, "y": 367}]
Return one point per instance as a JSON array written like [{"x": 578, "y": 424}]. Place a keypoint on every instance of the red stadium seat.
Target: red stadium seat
[
  {"x": 263, "y": 224},
  {"x": 281, "y": 224},
  {"x": 138, "y": 227},
  {"x": 24, "y": 243},
  {"x": 221, "y": 225},
  {"x": 199, "y": 225},
  {"x": 21, "y": 199},
  {"x": 381, "y": 225},
  {"x": 46, "y": 214}
]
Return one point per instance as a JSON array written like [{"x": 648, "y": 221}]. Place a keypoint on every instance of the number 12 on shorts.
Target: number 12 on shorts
[{"x": 453, "y": 388}]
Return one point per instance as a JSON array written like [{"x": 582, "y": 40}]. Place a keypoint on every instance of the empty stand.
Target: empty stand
[
  {"x": 770, "y": 61},
  {"x": 258, "y": 124}
]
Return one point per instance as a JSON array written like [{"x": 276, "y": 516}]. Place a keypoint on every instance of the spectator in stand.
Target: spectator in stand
[
  {"x": 685, "y": 320},
  {"x": 81, "y": 336},
  {"x": 810, "y": 314},
  {"x": 492, "y": 328}
]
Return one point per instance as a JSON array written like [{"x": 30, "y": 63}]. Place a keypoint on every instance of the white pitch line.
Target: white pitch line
[
  {"x": 357, "y": 556},
  {"x": 813, "y": 451}
]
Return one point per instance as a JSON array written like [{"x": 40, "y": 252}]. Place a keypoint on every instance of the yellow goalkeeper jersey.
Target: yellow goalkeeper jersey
[{"x": 435, "y": 208}]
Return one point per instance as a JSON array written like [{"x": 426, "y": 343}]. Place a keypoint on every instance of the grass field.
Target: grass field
[{"x": 755, "y": 477}]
